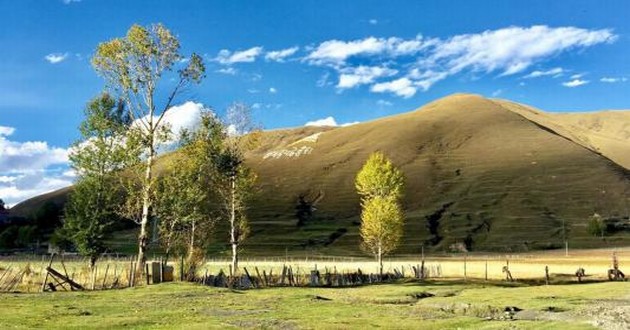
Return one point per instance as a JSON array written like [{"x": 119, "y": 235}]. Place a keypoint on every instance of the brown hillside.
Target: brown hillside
[{"x": 490, "y": 176}]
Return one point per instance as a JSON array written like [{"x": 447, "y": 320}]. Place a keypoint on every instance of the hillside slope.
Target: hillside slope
[
  {"x": 481, "y": 173},
  {"x": 478, "y": 171}
]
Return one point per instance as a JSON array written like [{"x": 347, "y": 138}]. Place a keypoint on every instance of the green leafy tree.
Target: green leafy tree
[
  {"x": 186, "y": 195},
  {"x": 381, "y": 186},
  {"x": 133, "y": 67},
  {"x": 102, "y": 152}
]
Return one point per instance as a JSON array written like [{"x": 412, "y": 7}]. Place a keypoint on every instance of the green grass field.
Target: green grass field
[{"x": 454, "y": 305}]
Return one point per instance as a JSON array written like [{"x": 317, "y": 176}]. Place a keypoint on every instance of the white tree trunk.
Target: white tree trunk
[
  {"x": 191, "y": 246},
  {"x": 233, "y": 228},
  {"x": 146, "y": 207},
  {"x": 380, "y": 260}
]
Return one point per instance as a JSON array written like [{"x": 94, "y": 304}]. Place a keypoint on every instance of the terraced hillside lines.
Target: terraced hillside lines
[{"x": 481, "y": 174}]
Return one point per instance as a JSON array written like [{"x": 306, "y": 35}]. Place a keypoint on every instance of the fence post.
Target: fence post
[
  {"x": 486, "y": 269},
  {"x": 465, "y": 274},
  {"x": 546, "y": 275}
]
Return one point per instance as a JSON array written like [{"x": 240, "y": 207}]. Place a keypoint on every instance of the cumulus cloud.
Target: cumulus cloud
[
  {"x": 32, "y": 184},
  {"x": 402, "y": 87},
  {"x": 67, "y": 2},
  {"x": 328, "y": 121},
  {"x": 273, "y": 90},
  {"x": 355, "y": 76},
  {"x": 555, "y": 72},
  {"x": 280, "y": 55},
  {"x": 613, "y": 79},
  {"x": 246, "y": 56},
  {"x": 180, "y": 117},
  {"x": 55, "y": 58},
  {"x": 373, "y": 21},
  {"x": 575, "y": 83},
  {"x": 27, "y": 156},
  {"x": 28, "y": 168}
]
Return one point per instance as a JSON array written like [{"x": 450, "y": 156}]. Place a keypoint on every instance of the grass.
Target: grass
[
  {"x": 183, "y": 305},
  {"x": 451, "y": 302}
]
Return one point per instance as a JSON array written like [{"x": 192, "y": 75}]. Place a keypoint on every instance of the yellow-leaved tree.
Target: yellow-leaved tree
[{"x": 381, "y": 186}]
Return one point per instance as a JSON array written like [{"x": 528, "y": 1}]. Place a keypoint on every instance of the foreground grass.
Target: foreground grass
[{"x": 182, "y": 305}]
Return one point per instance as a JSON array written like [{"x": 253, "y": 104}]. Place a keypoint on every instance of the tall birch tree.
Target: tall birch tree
[{"x": 134, "y": 67}]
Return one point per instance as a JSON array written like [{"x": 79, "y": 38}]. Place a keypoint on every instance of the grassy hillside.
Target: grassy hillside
[{"x": 485, "y": 174}]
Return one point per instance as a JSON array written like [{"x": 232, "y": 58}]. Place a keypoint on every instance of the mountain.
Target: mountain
[{"x": 483, "y": 174}]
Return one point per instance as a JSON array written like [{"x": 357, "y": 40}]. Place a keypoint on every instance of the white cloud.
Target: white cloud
[
  {"x": 229, "y": 71},
  {"x": 577, "y": 76},
  {"x": 27, "y": 156},
  {"x": 402, "y": 87},
  {"x": 26, "y": 167},
  {"x": 273, "y": 90},
  {"x": 328, "y": 121},
  {"x": 555, "y": 72},
  {"x": 33, "y": 184},
  {"x": 253, "y": 91},
  {"x": 324, "y": 80},
  {"x": 575, "y": 83},
  {"x": 336, "y": 52},
  {"x": 6, "y": 131},
  {"x": 281, "y": 55},
  {"x": 180, "y": 117},
  {"x": 512, "y": 50},
  {"x": 497, "y": 92},
  {"x": 55, "y": 58},
  {"x": 245, "y": 56},
  {"x": 373, "y": 21},
  {"x": 505, "y": 51},
  {"x": 384, "y": 103},
  {"x": 355, "y": 76},
  {"x": 67, "y": 2},
  {"x": 605, "y": 79}
]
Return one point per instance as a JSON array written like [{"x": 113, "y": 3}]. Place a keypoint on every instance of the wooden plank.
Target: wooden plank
[{"x": 72, "y": 283}]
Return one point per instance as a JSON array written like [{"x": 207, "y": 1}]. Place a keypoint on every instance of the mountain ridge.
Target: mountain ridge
[{"x": 486, "y": 174}]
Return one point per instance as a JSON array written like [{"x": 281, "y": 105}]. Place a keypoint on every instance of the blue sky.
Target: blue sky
[{"x": 299, "y": 62}]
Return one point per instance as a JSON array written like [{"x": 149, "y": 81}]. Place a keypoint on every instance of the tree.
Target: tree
[
  {"x": 235, "y": 181},
  {"x": 47, "y": 217},
  {"x": 382, "y": 223},
  {"x": 597, "y": 226},
  {"x": 381, "y": 186},
  {"x": 2, "y": 205},
  {"x": 133, "y": 66},
  {"x": 103, "y": 150},
  {"x": 186, "y": 194},
  {"x": 379, "y": 177}
]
